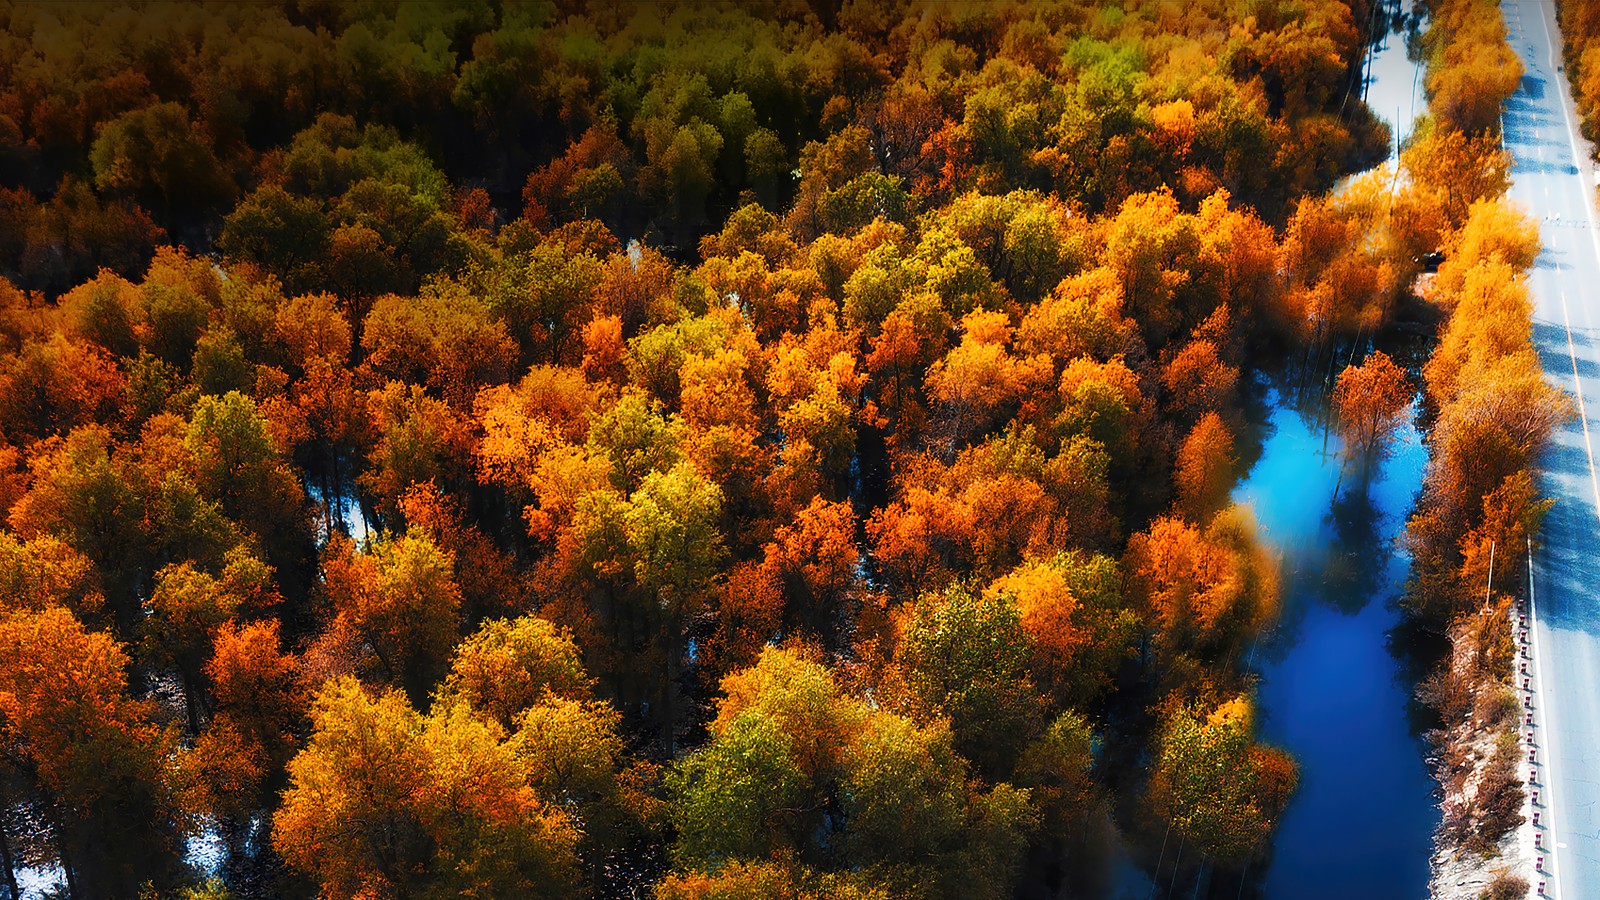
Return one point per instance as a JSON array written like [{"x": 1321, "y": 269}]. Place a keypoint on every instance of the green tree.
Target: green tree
[
  {"x": 158, "y": 156},
  {"x": 1216, "y": 785},
  {"x": 236, "y": 463},
  {"x": 965, "y": 658},
  {"x": 730, "y": 799},
  {"x": 283, "y": 234},
  {"x": 907, "y": 799}
]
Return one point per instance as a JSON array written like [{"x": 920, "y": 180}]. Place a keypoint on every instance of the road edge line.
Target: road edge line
[{"x": 1543, "y": 714}]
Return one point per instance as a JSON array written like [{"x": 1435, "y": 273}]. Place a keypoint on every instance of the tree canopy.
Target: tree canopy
[{"x": 701, "y": 450}]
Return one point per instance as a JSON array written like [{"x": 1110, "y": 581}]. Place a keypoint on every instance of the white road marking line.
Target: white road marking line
[{"x": 1583, "y": 416}]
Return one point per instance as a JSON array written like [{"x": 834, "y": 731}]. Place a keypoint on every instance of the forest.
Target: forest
[{"x": 705, "y": 450}]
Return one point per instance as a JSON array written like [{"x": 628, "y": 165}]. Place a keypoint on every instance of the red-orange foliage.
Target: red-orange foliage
[
  {"x": 51, "y": 386},
  {"x": 1205, "y": 466},
  {"x": 999, "y": 503},
  {"x": 1370, "y": 400},
  {"x": 80, "y": 744},
  {"x": 931, "y": 298},
  {"x": 805, "y": 584},
  {"x": 1204, "y": 591},
  {"x": 490, "y": 585},
  {"x": 1198, "y": 380}
]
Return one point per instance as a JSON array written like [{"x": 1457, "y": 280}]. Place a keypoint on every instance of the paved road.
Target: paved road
[{"x": 1553, "y": 180}]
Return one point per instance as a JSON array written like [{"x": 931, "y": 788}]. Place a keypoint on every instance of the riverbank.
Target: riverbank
[
  {"x": 1483, "y": 770},
  {"x": 1494, "y": 412}
]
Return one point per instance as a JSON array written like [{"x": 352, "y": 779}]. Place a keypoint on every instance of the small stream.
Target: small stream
[
  {"x": 1335, "y": 687},
  {"x": 1337, "y": 675}
]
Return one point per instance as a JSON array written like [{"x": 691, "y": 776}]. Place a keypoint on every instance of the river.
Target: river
[{"x": 1335, "y": 688}]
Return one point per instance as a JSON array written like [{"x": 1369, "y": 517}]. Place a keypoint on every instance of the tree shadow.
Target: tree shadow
[{"x": 1354, "y": 571}]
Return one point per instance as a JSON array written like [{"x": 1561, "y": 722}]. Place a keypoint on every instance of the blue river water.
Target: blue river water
[
  {"x": 1337, "y": 675},
  {"x": 1332, "y": 692},
  {"x": 1335, "y": 689}
]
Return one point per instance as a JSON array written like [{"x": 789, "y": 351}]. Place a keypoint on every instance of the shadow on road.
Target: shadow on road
[{"x": 1567, "y": 601}]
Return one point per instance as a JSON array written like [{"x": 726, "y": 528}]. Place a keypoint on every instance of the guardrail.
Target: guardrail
[{"x": 1533, "y": 718}]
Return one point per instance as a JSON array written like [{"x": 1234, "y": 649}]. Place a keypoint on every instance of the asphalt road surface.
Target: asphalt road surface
[{"x": 1554, "y": 182}]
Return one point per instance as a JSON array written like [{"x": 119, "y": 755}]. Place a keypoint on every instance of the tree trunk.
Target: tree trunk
[
  {"x": 674, "y": 657},
  {"x": 330, "y": 496},
  {"x": 67, "y": 868},
  {"x": 9, "y": 865},
  {"x": 191, "y": 700}
]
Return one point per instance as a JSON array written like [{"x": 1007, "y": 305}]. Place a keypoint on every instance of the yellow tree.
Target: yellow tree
[
  {"x": 1456, "y": 168},
  {"x": 1204, "y": 592},
  {"x": 45, "y": 572},
  {"x": 399, "y": 602},
  {"x": 1198, "y": 380},
  {"x": 1205, "y": 468},
  {"x": 964, "y": 658},
  {"x": 1370, "y": 402},
  {"x": 508, "y": 666},
  {"x": 1076, "y": 620},
  {"x": 1216, "y": 785},
  {"x": 979, "y": 383},
  {"x": 1471, "y": 67},
  {"x": 386, "y": 802}
]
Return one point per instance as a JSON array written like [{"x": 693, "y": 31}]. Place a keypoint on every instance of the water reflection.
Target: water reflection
[
  {"x": 1359, "y": 538},
  {"x": 1332, "y": 690}
]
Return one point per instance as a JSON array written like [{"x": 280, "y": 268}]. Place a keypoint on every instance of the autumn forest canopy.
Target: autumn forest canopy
[{"x": 773, "y": 449}]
